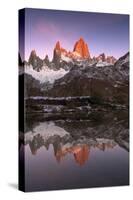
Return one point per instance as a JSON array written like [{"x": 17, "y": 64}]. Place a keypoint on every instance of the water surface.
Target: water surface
[{"x": 63, "y": 154}]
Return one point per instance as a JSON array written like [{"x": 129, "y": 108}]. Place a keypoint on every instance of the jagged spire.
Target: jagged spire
[
  {"x": 57, "y": 46},
  {"x": 82, "y": 48}
]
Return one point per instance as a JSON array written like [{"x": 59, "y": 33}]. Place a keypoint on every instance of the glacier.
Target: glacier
[{"x": 45, "y": 74}]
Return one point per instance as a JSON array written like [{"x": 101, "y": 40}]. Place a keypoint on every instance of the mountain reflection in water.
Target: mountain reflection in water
[
  {"x": 81, "y": 142},
  {"x": 80, "y": 148}
]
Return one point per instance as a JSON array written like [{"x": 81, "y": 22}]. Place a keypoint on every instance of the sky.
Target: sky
[{"x": 108, "y": 33}]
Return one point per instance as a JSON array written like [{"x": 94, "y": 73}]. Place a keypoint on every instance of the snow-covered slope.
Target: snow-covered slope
[
  {"x": 102, "y": 64},
  {"x": 45, "y": 74}
]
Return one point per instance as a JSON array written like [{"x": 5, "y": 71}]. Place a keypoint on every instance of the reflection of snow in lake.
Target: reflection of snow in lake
[{"x": 46, "y": 130}]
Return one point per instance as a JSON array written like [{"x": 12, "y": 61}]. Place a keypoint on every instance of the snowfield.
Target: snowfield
[
  {"x": 102, "y": 64},
  {"x": 65, "y": 58},
  {"x": 46, "y": 74}
]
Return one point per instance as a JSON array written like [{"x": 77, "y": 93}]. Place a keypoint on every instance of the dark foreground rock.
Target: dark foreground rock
[{"x": 108, "y": 83}]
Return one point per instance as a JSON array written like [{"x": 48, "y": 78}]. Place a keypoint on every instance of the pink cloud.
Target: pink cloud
[{"x": 45, "y": 27}]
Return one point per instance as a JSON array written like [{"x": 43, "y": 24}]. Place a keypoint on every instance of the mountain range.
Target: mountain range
[
  {"x": 61, "y": 56},
  {"x": 76, "y": 73}
]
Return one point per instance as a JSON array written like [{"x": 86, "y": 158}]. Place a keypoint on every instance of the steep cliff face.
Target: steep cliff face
[
  {"x": 81, "y": 49},
  {"x": 35, "y": 61},
  {"x": 57, "y": 53}
]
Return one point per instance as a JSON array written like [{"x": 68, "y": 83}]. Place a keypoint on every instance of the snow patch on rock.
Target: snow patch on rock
[{"x": 65, "y": 58}]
